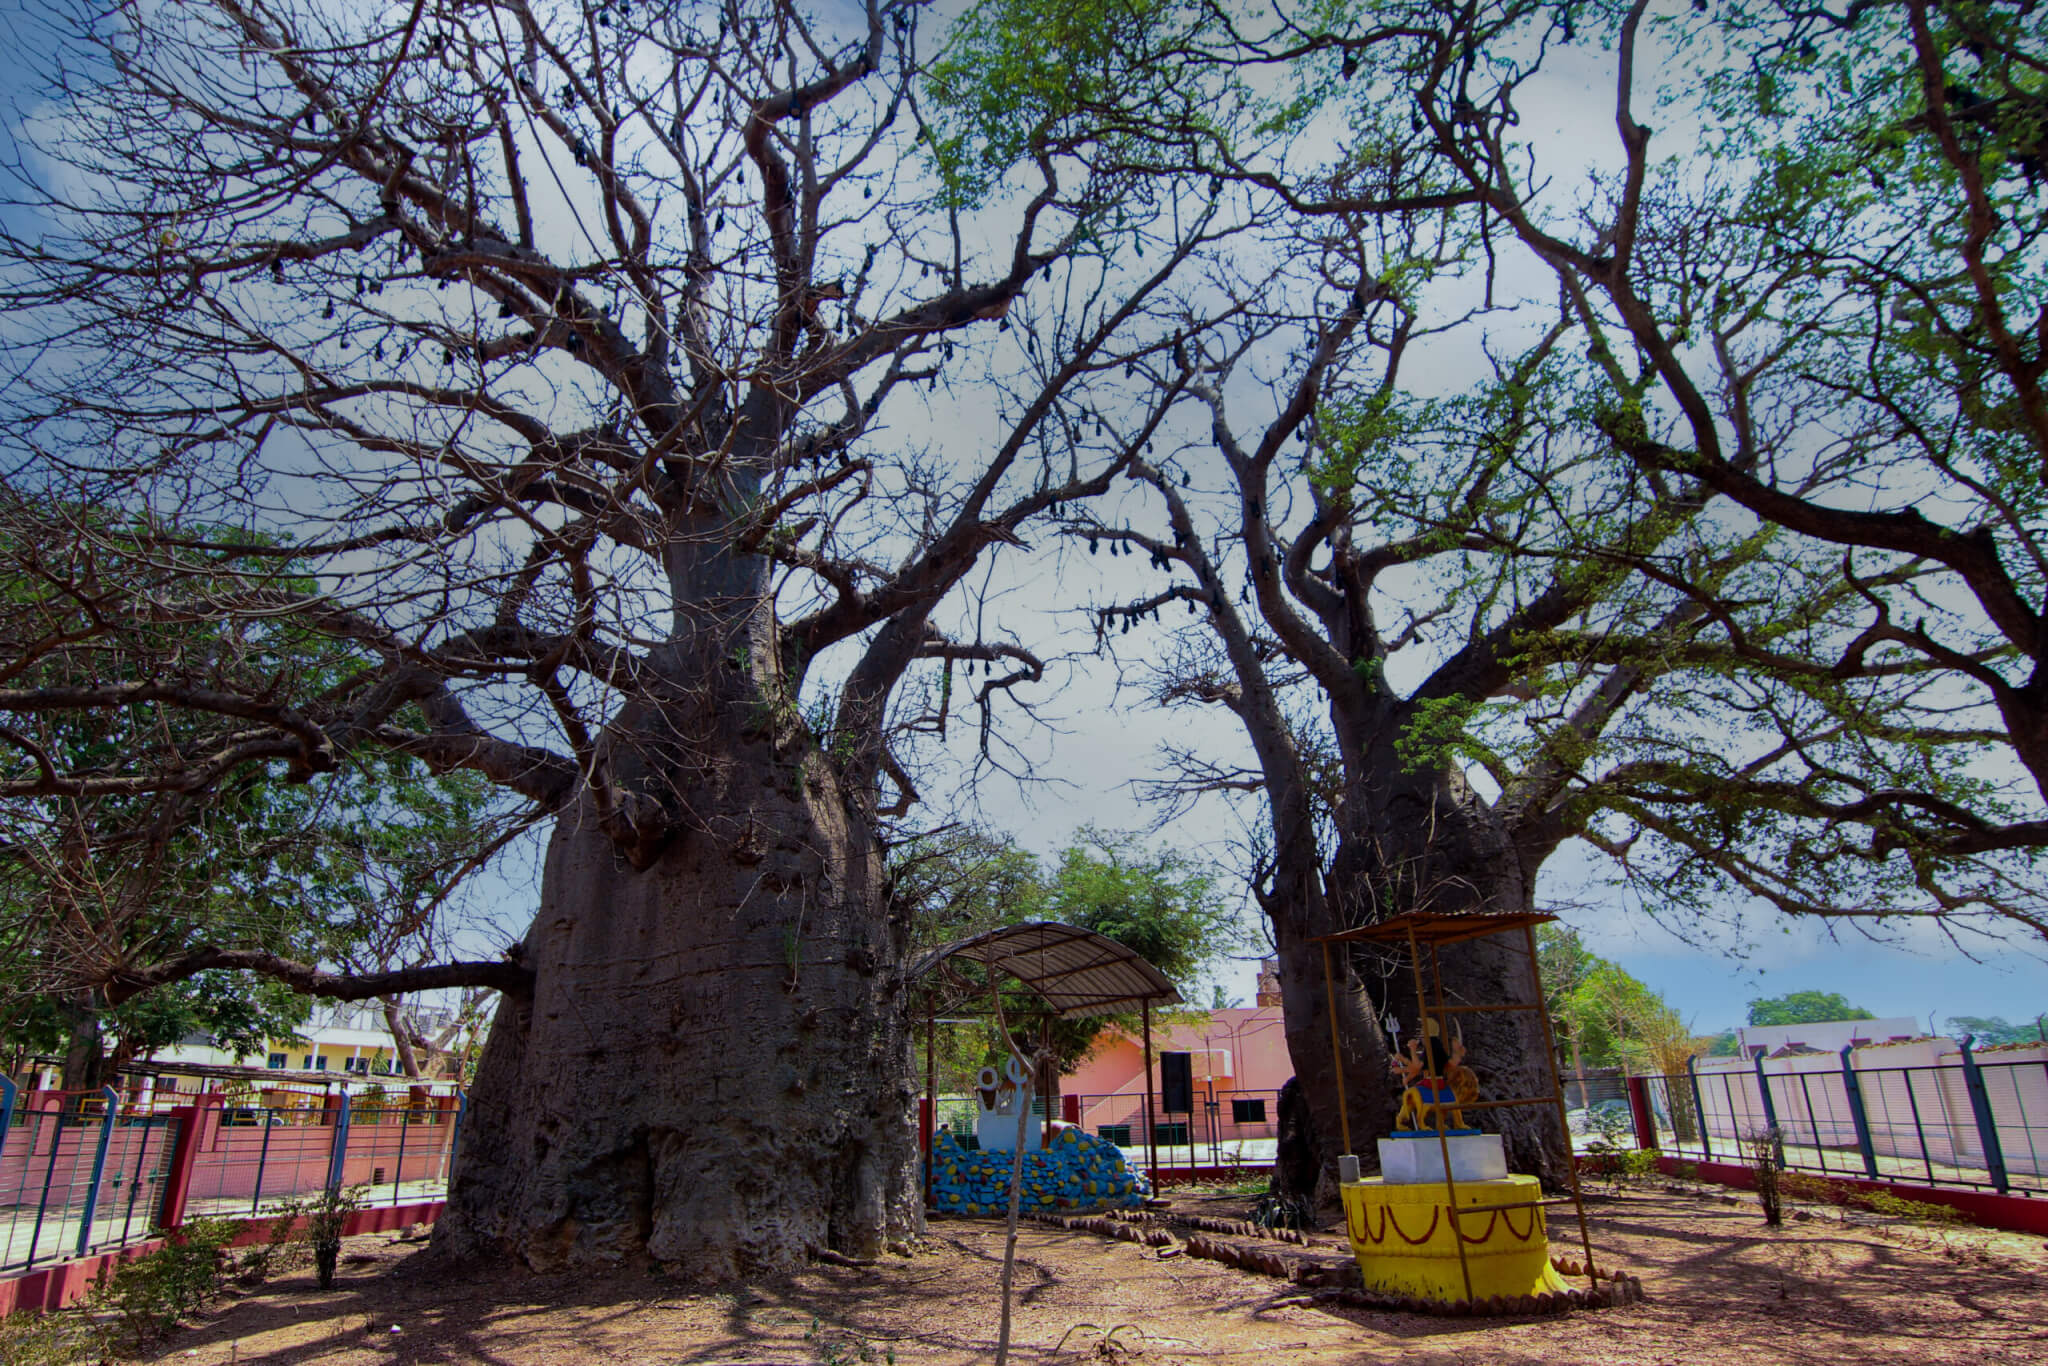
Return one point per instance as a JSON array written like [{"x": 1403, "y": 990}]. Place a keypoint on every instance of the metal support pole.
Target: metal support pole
[
  {"x": 455, "y": 1137},
  {"x": 6, "y": 1111},
  {"x": 35, "y": 1235},
  {"x": 1564, "y": 1124},
  {"x": 1151, "y": 1133},
  {"x": 1987, "y": 1123},
  {"x": 1763, "y": 1089},
  {"x": 99, "y": 1168},
  {"x": 262, "y": 1157},
  {"x": 1813, "y": 1125},
  {"x": 1852, "y": 1086},
  {"x": 338, "y": 1157},
  {"x": 1699, "y": 1108},
  {"x": 1336, "y": 1048},
  {"x": 135, "y": 1178},
  {"x": 1422, "y": 1018},
  {"x": 931, "y": 1090},
  {"x": 398, "y": 1171}
]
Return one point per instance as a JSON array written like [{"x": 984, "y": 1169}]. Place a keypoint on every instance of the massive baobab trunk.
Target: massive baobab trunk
[{"x": 711, "y": 1072}]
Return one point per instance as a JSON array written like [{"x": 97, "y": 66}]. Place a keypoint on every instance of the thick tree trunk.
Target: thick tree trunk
[
  {"x": 713, "y": 1071},
  {"x": 1305, "y": 1013},
  {"x": 1425, "y": 841},
  {"x": 85, "y": 1050}
]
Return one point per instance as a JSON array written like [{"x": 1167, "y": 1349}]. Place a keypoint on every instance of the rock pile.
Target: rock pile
[{"x": 1078, "y": 1172}]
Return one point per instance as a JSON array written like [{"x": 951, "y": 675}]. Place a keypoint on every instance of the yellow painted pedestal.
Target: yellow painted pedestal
[{"x": 1404, "y": 1240}]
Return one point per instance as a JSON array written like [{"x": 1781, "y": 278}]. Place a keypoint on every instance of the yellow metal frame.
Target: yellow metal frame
[{"x": 1418, "y": 929}]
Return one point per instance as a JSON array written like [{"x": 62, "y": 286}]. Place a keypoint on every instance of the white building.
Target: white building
[{"x": 1828, "y": 1036}]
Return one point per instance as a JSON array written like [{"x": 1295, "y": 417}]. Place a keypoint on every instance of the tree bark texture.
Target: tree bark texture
[
  {"x": 712, "y": 1071},
  {"x": 711, "y": 1074},
  {"x": 1425, "y": 841}
]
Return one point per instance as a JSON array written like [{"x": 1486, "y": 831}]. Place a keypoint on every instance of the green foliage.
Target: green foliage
[
  {"x": 1822, "y": 1190},
  {"x": 1724, "y": 1045},
  {"x": 152, "y": 1294},
  {"x": 75, "y": 1337},
  {"x": 1609, "y": 1162},
  {"x": 1804, "y": 1007},
  {"x": 341, "y": 867},
  {"x": 1020, "y": 78},
  {"x": 1989, "y": 1030},
  {"x": 1613, "y": 1019},
  {"x": 319, "y": 1220},
  {"x": 1160, "y": 904},
  {"x": 1765, "y": 1149}
]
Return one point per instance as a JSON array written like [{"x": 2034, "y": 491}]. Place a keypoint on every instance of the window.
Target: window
[
  {"x": 307, "y": 1065},
  {"x": 320, "y": 1064},
  {"x": 1119, "y": 1134},
  {"x": 277, "y": 1062},
  {"x": 1248, "y": 1111},
  {"x": 1173, "y": 1135}
]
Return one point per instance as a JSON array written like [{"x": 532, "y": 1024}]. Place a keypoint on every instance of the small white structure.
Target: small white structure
[
  {"x": 1001, "y": 1097},
  {"x": 1414, "y": 1161}
]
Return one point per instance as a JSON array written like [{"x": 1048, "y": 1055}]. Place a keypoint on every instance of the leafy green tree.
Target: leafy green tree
[
  {"x": 1605, "y": 1015},
  {"x": 1804, "y": 1007},
  {"x": 1993, "y": 1029},
  {"x": 1726, "y": 1044},
  {"x": 123, "y": 894},
  {"x": 1161, "y": 904},
  {"x": 1672, "y": 622}
]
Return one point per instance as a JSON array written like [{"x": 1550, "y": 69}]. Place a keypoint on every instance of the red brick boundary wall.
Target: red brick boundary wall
[{"x": 62, "y": 1283}]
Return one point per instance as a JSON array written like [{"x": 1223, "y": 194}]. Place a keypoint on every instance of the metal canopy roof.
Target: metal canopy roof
[
  {"x": 1078, "y": 972},
  {"x": 1431, "y": 927}
]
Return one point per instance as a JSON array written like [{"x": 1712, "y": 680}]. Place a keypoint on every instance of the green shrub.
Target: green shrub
[
  {"x": 1820, "y": 1190},
  {"x": 1619, "y": 1165},
  {"x": 153, "y": 1293},
  {"x": 65, "y": 1338},
  {"x": 1767, "y": 1166},
  {"x": 324, "y": 1216}
]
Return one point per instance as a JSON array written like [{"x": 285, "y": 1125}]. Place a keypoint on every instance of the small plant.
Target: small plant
[
  {"x": 279, "y": 1251},
  {"x": 1820, "y": 1190},
  {"x": 324, "y": 1219},
  {"x": 1766, "y": 1163},
  {"x": 1277, "y": 1211},
  {"x": 1611, "y": 1120},
  {"x": 1619, "y": 1165},
  {"x": 153, "y": 1293},
  {"x": 74, "y": 1338}
]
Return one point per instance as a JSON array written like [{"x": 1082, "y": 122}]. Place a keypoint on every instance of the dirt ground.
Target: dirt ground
[{"x": 1720, "y": 1289}]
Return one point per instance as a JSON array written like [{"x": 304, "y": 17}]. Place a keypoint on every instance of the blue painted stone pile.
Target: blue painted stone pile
[{"x": 1078, "y": 1172}]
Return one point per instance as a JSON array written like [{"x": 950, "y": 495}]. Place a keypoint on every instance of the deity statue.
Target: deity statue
[{"x": 999, "y": 1096}]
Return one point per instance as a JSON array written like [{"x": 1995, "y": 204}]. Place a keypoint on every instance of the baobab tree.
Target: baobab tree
[
  {"x": 1593, "y": 586},
  {"x": 581, "y": 369}
]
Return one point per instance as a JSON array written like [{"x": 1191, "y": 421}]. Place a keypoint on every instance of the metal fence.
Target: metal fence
[
  {"x": 76, "y": 1174},
  {"x": 86, "y": 1172},
  {"x": 1974, "y": 1123},
  {"x": 1227, "y": 1127}
]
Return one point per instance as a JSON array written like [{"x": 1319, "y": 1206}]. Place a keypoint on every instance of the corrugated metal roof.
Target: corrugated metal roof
[{"x": 1078, "y": 972}]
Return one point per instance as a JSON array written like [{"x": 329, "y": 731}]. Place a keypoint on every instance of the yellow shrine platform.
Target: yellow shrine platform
[{"x": 1407, "y": 1241}]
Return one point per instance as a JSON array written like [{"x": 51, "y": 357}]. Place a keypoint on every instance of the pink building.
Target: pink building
[{"x": 1238, "y": 1057}]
